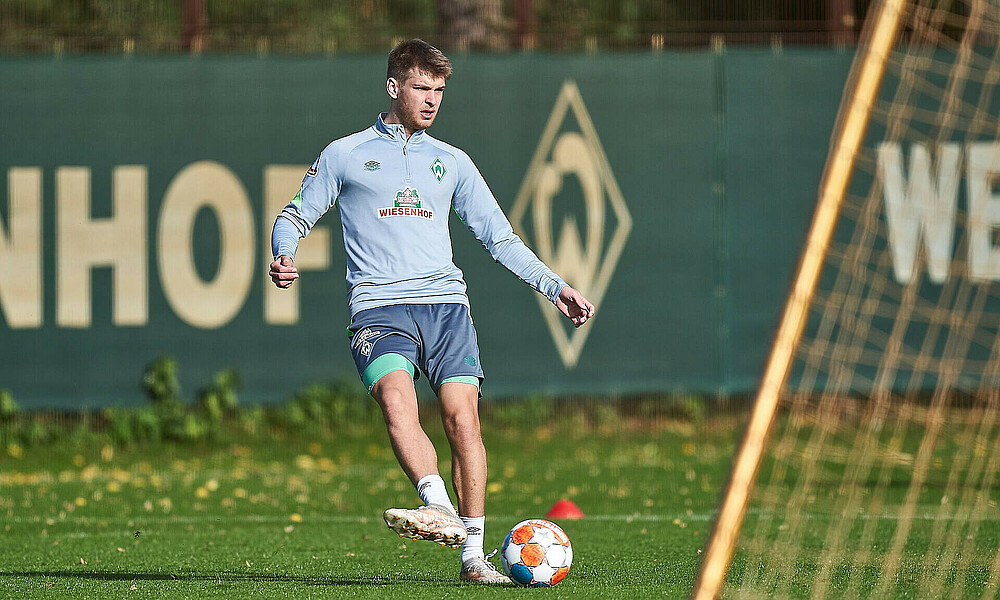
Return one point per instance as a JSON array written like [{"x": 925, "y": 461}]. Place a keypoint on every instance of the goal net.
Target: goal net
[{"x": 871, "y": 468}]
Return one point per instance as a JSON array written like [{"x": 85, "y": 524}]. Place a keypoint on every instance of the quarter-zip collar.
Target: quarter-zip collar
[{"x": 396, "y": 131}]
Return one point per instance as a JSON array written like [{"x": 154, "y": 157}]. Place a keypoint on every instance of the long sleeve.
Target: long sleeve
[
  {"x": 478, "y": 208},
  {"x": 318, "y": 193}
]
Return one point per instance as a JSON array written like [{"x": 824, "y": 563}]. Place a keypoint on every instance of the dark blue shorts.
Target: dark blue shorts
[{"x": 438, "y": 339}]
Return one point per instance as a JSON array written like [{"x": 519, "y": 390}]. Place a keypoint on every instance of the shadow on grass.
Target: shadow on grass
[{"x": 230, "y": 576}]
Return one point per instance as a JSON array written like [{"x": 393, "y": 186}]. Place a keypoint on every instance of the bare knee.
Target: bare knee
[
  {"x": 397, "y": 398},
  {"x": 462, "y": 425},
  {"x": 395, "y": 408}
]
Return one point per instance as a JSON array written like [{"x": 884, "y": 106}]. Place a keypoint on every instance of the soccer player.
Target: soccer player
[{"x": 395, "y": 185}]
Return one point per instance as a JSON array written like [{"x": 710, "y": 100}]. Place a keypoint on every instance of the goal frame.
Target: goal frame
[{"x": 860, "y": 92}]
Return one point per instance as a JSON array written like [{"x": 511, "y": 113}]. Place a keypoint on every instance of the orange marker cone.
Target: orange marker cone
[{"x": 564, "y": 509}]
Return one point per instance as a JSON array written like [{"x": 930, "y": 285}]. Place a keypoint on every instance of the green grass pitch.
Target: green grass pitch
[{"x": 302, "y": 518}]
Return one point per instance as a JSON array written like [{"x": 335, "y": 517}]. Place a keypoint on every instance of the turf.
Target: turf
[{"x": 299, "y": 518}]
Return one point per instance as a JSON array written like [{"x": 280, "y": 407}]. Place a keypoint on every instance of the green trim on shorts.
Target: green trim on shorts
[
  {"x": 383, "y": 365},
  {"x": 472, "y": 379}
]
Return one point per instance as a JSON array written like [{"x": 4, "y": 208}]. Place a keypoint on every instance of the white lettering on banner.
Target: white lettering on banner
[
  {"x": 281, "y": 307},
  {"x": 984, "y": 210},
  {"x": 921, "y": 191},
  {"x": 206, "y": 304},
  {"x": 83, "y": 243},
  {"x": 922, "y": 204},
  {"x": 927, "y": 202},
  {"x": 21, "y": 250}
]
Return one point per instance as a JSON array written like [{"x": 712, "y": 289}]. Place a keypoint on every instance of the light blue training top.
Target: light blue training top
[{"x": 394, "y": 195}]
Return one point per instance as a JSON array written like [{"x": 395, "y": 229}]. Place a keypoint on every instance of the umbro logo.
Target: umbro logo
[
  {"x": 373, "y": 165},
  {"x": 473, "y": 530}
]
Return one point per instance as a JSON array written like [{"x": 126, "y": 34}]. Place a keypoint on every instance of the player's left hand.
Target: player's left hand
[{"x": 572, "y": 304}]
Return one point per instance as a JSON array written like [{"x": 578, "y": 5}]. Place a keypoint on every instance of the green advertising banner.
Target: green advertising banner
[{"x": 137, "y": 197}]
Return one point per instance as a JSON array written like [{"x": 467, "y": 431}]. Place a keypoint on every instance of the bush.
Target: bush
[
  {"x": 331, "y": 405},
  {"x": 535, "y": 409},
  {"x": 119, "y": 425},
  {"x": 161, "y": 384},
  {"x": 341, "y": 407},
  {"x": 146, "y": 425},
  {"x": 688, "y": 408},
  {"x": 219, "y": 399},
  {"x": 8, "y": 407}
]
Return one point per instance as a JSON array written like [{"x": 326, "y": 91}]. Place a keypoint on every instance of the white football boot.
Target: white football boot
[
  {"x": 481, "y": 570},
  {"x": 431, "y": 522}
]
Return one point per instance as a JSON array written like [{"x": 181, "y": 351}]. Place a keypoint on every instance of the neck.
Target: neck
[{"x": 392, "y": 118}]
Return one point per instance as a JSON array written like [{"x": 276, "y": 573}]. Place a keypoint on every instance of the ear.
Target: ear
[{"x": 392, "y": 87}]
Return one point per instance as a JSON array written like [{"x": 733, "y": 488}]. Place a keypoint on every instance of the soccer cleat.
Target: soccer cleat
[
  {"x": 431, "y": 522},
  {"x": 481, "y": 570}
]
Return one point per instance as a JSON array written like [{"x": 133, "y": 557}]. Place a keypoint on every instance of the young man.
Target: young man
[{"x": 395, "y": 185}]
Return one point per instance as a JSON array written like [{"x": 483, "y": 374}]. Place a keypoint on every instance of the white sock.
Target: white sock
[
  {"x": 473, "y": 547},
  {"x": 432, "y": 490}
]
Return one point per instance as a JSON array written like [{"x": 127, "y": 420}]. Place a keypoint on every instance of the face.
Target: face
[{"x": 416, "y": 100}]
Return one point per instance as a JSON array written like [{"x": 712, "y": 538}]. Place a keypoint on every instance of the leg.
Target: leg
[
  {"x": 396, "y": 396},
  {"x": 415, "y": 453},
  {"x": 460, "y": 414},
  {"x": 385, "y": 344}
]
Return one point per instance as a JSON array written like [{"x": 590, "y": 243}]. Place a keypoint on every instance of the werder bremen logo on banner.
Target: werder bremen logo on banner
[{"x": 586, "y": 258}]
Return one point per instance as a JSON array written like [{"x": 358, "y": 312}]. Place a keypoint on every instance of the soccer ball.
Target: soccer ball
[{"x": 536, "y": 553}]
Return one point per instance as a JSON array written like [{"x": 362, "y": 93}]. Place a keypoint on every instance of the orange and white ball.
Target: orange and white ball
[{"x": 536, "y": 553}]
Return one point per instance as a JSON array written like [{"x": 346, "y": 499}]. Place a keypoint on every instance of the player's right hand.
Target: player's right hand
[{"x": 283, "y": 272}]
